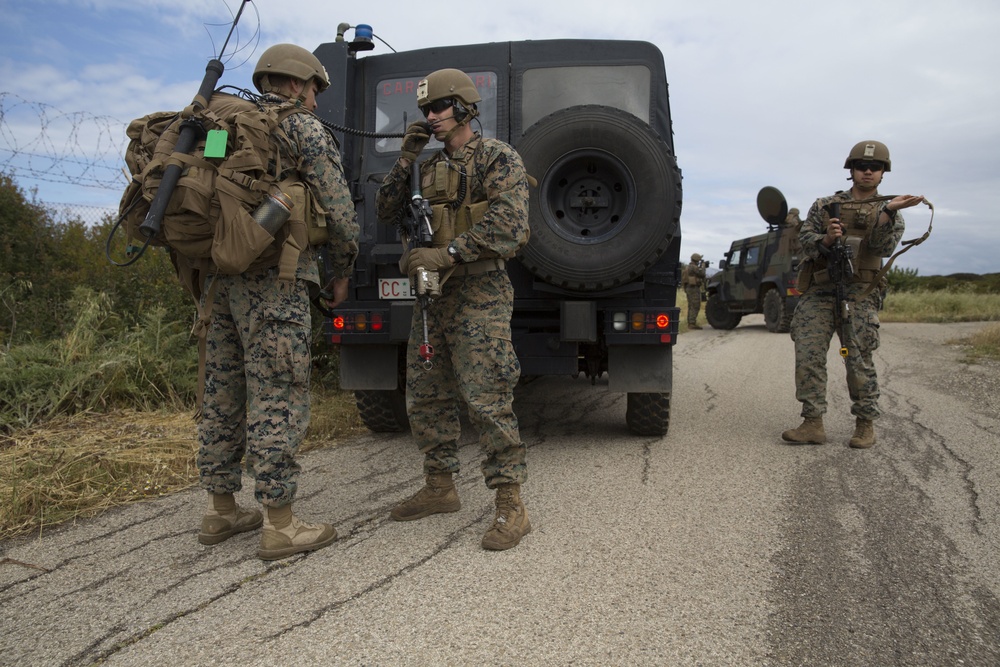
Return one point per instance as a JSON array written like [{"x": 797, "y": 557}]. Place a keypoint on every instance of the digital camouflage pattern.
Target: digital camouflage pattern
[
  {"x": 258, "y": 357},
  {"x": 814, "y": 323},
  {"x": 497, "y": 177},
  {"x": 316, "y": 157},
  {"x": 469, "y": 324},
  {"x": 694, "y": 284},
  {"x": 474, "y": 363},
  {"x": 256, "y": 400}
]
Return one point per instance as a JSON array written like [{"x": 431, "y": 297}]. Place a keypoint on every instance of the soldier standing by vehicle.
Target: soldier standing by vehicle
[
  {"x": 694, "y": 285},
  {"x": 871, "y": 228},
  {"x": 478, "y": 192},
  {"x": 256, "y": 399}
]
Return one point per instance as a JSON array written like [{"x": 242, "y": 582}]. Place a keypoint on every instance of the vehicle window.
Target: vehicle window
[
  {"x": 753, "y": 256},
  {"x": 396, "y": 99},
  {"x": 549, "y": 89}
]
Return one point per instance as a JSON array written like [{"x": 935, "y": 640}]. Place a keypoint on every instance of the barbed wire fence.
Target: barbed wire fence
[{"x": 40, "y": 143}]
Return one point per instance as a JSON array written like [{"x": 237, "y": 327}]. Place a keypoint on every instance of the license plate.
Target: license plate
[{"x": 395, "y": 288}]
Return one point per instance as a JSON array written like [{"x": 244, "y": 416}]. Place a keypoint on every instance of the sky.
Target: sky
[{"x": 766, "y": 93}]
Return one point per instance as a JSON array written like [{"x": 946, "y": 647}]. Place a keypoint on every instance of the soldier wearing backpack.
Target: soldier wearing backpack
[{"x": 257, "y": 362}]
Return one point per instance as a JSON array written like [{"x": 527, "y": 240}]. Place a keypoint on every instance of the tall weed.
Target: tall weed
[{"x": 98, "y": 365}]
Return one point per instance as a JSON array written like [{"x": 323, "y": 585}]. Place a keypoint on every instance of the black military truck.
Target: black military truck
[
  {"x": 758, "y": 274},
  {"x": 595, "y": 287}
]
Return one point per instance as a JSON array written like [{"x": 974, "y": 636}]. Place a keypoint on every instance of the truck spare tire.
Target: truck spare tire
[{"x": 607, "y": 204}]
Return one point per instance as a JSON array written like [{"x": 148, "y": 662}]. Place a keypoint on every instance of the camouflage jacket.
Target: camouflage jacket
[
  {"x": 316, "y": 157},
  {"x": 497, "y": 177},
  {"x": 881, "y": 240},
  {"x": 694, "y": 275}
]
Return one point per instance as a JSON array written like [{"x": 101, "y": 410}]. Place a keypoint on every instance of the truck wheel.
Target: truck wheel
[
  {"x": 648, "y": 414},
  {"x": 607, "y": 204},
  {"x": 777, "y": 316},
  {"x": 382, "y": 411},
  {"x": 719, "y": 316}
]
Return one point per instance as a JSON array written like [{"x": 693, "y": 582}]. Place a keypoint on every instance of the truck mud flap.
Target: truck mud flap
[
  {"x": 369, "y": 366},
  {"x": 640, "y": 368}
]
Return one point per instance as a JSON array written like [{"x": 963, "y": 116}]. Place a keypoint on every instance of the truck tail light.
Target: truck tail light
[
  {"x": 358, "y": 321},
  {"x": 640, "y": 321}
]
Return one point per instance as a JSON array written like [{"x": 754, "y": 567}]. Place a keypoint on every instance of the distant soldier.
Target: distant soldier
[
  {"x": 795, "y": 222},
  {"x": 694, "y": 285},
  {"x": 478, "y": 191},
  {"x": 872, "y": 228}
]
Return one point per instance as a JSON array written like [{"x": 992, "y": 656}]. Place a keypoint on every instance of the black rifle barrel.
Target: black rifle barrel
[{"x": 186, "y": 140}]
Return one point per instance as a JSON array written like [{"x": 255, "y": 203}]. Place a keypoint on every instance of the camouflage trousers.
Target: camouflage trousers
[
  {"x": 256, "y": 400},
  {"x": 813, "y": 326},
  {"x": 474, "y": 365},
  {"x": 693, "y": 293}
]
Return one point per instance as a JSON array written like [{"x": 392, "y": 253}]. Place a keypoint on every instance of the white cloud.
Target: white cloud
[{"x": 767, "y": 93}]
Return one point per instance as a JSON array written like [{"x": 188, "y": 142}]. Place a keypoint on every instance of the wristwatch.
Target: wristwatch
[
  {"x": 889, "y": 212},
  {"x": 453, "y": 253}
]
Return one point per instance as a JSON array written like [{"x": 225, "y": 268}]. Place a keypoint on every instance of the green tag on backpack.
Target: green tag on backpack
[{"x": 215, "y": 143}]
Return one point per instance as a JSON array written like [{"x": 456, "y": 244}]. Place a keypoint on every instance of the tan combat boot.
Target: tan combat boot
[
  {"x": 864, "y": 434},
  {"x": 224, "y": 518},
  {"x": 511, "y": 521},
  {"x": 811, "y": 432},
  {"x": 692, "y": 325},
  {"x": 437, "y": 496},
  {"x": 285, "y": 535}
]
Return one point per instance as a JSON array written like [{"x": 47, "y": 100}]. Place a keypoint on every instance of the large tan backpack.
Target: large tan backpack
[{"x": 208, "y": 223}]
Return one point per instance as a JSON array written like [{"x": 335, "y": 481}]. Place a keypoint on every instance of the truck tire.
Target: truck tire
[
  {"x": 718, "y": 315},
  {"x": 777, "y": 315},
  {"x": 648, "y": 414},
  {"x": 607, "y": 204},
  {"x": 382, "y": 411}
]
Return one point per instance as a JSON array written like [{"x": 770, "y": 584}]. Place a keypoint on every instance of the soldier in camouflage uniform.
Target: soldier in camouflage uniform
[
  {"x": 694, "y": 285},
  {"x": 257, "y": 367},
  {"x": 469, "y": 324},
  {"x": 873, "y": 229}
]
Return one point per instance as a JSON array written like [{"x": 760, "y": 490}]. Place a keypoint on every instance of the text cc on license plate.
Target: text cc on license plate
[{"x": 395, "y": 288}]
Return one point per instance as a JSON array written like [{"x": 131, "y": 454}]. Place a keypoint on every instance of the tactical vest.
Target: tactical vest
[
  {"x": 857, "y": 222},
  {"x": 447, "y": 184},
  {"x": 208, "y": 222}
]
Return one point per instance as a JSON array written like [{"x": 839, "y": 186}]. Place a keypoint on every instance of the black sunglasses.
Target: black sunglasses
[
  {"x": 437, "y": 106},
  {"x": 865, "y": 165}
]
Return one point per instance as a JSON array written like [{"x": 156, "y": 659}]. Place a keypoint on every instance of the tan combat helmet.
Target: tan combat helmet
[
  {"x": 695, "y": 257},
  {"x": 289, "y": 60},
  {"x": 869, "y": 150},
  {"x": 449, "y": 83}
]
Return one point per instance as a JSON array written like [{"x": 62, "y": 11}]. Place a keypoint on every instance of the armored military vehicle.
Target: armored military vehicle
[
  {"x": 758, "y": 274},
  {"x": 595, "y": 287}
]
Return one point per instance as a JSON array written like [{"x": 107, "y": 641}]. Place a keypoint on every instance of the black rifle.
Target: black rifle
[
  {"x": 840, "y": 268},
  {"x": 191, "y": 131},
  {"x": 418, "y": 233}
]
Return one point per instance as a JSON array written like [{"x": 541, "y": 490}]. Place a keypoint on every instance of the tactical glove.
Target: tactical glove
[
  {"x": 417, "y": 135},
  {"x": 404, "y": 261},
  {"x": 432, "y": 259}
]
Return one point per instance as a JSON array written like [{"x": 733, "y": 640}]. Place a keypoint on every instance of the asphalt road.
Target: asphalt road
[{"x": 714, "y": 545}]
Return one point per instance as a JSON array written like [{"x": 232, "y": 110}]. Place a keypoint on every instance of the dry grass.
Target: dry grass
[
  {"x": 984, "y": 344},
  {"x": 79, "y": 466}
]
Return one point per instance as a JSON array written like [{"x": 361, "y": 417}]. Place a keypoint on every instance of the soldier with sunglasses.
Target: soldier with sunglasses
[
  {"x": 478, "y": 193},
  {"x": 871, "y": 227}
]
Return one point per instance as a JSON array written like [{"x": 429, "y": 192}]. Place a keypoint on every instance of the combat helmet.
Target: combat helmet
[
  {"x": 289, "y": 60},
  {"x": 449, "y": 83},
  {"x": 695, "y": 257},
  {"x": 869, "y": 150}
]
